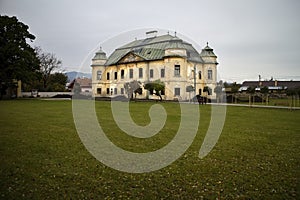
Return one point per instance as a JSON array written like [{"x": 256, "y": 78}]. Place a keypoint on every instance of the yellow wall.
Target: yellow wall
[{"x": 185, "y": 79}]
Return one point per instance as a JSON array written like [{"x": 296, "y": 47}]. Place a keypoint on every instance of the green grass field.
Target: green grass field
[
  {"x": 286, "y": 102},
  {"x": 42, "y": 157}
]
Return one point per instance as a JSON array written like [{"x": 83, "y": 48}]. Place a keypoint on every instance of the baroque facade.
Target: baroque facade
[{"x": 167, "y": 58}]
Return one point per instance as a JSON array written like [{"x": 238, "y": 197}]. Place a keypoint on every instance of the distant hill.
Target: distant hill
[{"x": 72, "y": 75}]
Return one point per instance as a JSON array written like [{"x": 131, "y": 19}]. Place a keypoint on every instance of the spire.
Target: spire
[{"x": 207, "y": 47}]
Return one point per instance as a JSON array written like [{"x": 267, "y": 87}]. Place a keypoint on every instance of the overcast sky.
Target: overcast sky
[{"x": 250, "y": 38}]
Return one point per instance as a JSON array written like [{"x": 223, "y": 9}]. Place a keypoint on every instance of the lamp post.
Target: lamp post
[{"x": 194, "y": 79}]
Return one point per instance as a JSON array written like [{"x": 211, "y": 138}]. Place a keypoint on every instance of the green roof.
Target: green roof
[
  {"x": 154, "y": 49},
  {"x": 207, "y": 52},
  {"x": 100, "y": 55}
]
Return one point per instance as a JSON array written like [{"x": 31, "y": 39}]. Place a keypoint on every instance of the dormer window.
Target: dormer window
[{"x": 188, "y": 54}]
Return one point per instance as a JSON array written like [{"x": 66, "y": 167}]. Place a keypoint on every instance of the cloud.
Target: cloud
[{"x": 250, "y": 37}]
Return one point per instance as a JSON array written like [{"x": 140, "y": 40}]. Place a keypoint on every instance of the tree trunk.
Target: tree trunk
[
  {"x": 235, "y": 98},
  {"x": 249, "y": 99},
  {"x": 158, "y": 94},
  {"x": 160, "y": 97}
]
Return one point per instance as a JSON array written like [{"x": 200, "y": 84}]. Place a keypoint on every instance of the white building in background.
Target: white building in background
[{"x": 166, "y": 57}]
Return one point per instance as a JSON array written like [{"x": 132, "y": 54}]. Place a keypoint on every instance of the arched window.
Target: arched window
[
  {"x": 140, "y": 72},
  {"x": 151, "y": 73},
  {"x": 177, "y": 91},
  {"x": 177, "y": 70},
  {"x": 162, "y": 73},
  {"x": 122, "y": 73},
  {"x": 99, "y": 75},
  {"x": 130, "y": 73},
  {"x": 209, "y": 74}
]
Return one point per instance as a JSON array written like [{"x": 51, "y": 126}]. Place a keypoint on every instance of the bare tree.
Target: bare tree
[
  {"x": 251, "y": 92},
  {"x": 218, "y": 90},
  {"x": 48, "y": 64},
  {"x": 265, "y": 92}
]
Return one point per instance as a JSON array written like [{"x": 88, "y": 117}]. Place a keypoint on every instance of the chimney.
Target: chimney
[
  {"x": 259, "y": 80},
  {"x": 151, "y": 34}
]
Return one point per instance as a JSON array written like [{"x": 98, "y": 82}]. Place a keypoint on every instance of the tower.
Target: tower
[
  {"x": 208, "y": 55},
  {"x": 210, "y": 68},
  {"x": 98, "y": 68}
]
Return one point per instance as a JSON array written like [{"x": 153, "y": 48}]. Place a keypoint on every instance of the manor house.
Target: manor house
[{"x": 167, "y": 58}]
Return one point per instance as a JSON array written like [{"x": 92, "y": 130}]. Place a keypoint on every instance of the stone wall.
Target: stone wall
[{"x": 46, "y": 94}]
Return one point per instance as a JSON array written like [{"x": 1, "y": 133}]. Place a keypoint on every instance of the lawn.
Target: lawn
[
  {"x": 286, "y": 102},
  {"x": 42, "y": 157}
]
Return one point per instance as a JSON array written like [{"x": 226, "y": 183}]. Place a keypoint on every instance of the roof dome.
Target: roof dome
[
  {"x": 154, "y": 49},
  {"x": 207, "y": 51},
  {"x": 176, "y": 43},
  {"x": 100, "y": 55}
]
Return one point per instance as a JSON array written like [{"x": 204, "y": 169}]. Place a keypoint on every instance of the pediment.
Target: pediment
[{"x": 131, "y": 57}]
